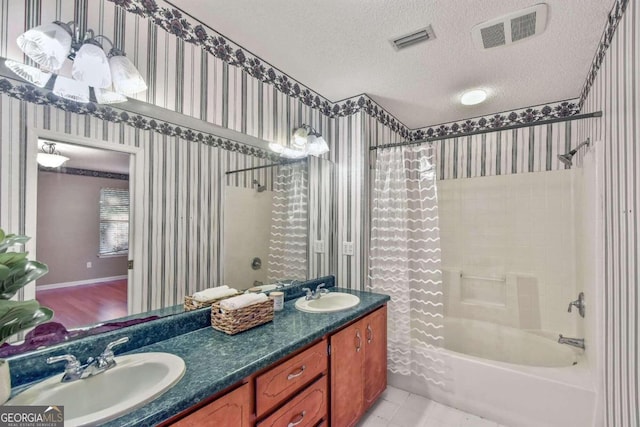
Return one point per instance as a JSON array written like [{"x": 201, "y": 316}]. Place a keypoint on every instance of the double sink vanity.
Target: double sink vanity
[{"x": 321, "y": 361}]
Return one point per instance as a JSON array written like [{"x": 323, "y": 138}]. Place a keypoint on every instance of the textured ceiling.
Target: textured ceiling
[{"x": 340, "y": 48}]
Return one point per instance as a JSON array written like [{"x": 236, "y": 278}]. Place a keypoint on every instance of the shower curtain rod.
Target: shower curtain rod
[
  {"x": 265, "y": 166},
  {"x": 479, "y": 132}
]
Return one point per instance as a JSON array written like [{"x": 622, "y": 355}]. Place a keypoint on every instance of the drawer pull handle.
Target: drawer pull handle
[
  {"x": 358, "y": 341},
  {"x": 369, "y": 334},
  {"x": 295, "y": 423},
  {"x": 299, "y": 372}
]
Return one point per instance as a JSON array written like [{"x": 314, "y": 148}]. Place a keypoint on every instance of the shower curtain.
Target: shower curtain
[
  {"x": 405, "y": 260},
  {"x": 288, "y": 240}
]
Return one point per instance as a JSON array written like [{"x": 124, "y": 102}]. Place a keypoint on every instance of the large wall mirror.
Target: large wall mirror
[
  {"x": 278, "y": 223},
  {"x": 78, "y": 214}
]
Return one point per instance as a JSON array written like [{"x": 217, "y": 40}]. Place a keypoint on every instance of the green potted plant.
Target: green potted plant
[{"x": 16, "y": 271}]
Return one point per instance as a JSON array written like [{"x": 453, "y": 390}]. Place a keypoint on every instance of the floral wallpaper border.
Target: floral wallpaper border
[
  {"x": 612, "y": 23},
  {"x": 173, "y": 21},
  {"x": 499, "y": 121},
  {"x": 30, "y": 93},
  {"x": 86, "y": 172}
]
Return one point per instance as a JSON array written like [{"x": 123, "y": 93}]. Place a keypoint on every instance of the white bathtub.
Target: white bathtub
[{"x": 510, "y": 376}]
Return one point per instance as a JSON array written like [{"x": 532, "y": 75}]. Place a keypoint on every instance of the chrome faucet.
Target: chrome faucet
[
  {"x": 320, "y": 290},
  {"x": 317, "y": 294},
  {"x": 74, "y": 370},
  {"x": 576, "y": 342},
  {"x": 579, "y": 304}
]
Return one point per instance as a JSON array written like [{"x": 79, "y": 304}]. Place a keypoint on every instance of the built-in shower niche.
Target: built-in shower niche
[
  {"x": 486, "y": 291},
  {"x": 511, "y": 300}
]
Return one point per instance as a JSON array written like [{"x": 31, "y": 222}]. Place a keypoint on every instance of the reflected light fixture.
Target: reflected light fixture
[
  {"x": 305, "y": 141},
  {"x": 49, "y": 157},
  {"x": 473, "y": 97},
  {"x": 110, "y": 76}
]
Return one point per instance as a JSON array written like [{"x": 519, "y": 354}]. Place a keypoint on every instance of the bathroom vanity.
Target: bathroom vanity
[
  {"x": 300, "y": 369},
  {"x": 349, "y": 365}
]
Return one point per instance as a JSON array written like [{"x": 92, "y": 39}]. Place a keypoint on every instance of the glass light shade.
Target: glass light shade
[
  {"x": 318, "y": 147},
  {"x": 300, "y": 137},
  {"x": 126, "y": 77},
  {"x": 31, "y": 74},
  {"x": 91, "y": 66},
  {"x": 473, "y": 97},
  {"x": 104, "y": 96},
  {"x": 71, "y": 89},
  {"x": 276, "y": 148},
  {"x": 291, "y": 153},
  {"x": 51, "y": 160},
  {"x": 47, "y": 44}
]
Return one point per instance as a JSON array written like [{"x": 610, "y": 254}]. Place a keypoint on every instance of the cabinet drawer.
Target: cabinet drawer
[
  {"x": 232, "y": 409},
  {"x": 306, "y": 409},
  {"x": 282, "y": 381}
]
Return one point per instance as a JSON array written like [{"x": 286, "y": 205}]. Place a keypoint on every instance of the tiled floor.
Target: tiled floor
[{"x": 399, "y": 408}]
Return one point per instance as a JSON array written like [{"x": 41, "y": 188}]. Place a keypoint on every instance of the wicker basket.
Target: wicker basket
[
  {"x": 234, "y": 321},
  {"x": 191, "y": 304}
]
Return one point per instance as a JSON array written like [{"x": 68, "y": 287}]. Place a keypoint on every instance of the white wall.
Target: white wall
[
  {"x": 518, "y": 228},
  {"x": 68, "y": 228},
  {"x": 247, "y": 227}
]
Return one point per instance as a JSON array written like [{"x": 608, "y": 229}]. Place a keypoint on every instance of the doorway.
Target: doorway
[{"x": 83, "y": 225}]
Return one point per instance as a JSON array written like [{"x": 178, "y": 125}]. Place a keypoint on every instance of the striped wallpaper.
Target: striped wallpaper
[
  {"x": 613, "y": 87},
  {"x": 533, "y": 149},
  {"x": 183, "y": 256}
]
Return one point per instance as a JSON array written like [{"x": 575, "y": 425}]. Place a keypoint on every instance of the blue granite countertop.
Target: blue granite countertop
[{"x": 215, "y": 360}]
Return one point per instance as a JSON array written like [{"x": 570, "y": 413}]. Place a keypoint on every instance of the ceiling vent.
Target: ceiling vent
[
  {"x": 421, "y": 35},
  {"x": 511, "y": 28}
]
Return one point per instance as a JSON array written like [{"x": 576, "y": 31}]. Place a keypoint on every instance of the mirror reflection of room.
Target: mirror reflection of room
[
  {"x": 266, "y": 225},
  {"x": 83, "y": 233}
]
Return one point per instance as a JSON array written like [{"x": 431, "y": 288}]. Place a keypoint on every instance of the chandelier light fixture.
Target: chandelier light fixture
[
  {"x": 110, "y": 76},
  {"x": 49, "y": 157},
  {"x": 305, "y": 141}
]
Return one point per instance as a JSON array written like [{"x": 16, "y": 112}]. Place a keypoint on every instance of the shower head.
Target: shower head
[
  {"x": 567, "y": 158},
  {"x": 260, "y": 188}
]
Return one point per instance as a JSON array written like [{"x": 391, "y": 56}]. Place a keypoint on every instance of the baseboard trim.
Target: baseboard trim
[{"x": 78, "y": 283}]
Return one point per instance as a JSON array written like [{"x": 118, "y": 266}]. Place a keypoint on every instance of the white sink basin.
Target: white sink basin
[
  {"x": 135, "y": 380},
  {"x": 327, "y": 303}
]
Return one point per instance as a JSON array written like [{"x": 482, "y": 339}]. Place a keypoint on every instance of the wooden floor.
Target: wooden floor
[{"x": 83, "y": 305}]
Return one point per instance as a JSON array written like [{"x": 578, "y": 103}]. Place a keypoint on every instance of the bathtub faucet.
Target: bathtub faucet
[
  {"x": 579, "y": 304},
  {"x": 576, "y": 342}
]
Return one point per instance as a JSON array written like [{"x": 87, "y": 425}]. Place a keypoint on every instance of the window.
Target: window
[{"x": 114, "y": 221}]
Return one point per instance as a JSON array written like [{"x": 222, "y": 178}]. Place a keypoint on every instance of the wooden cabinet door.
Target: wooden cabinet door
[
  {"x": 232, "y": 409},
  {"x": 347, "y": 376},
  {"x": 375, "y": 365}
]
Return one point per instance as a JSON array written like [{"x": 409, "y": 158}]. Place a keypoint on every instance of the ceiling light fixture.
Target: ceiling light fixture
[
  {"x": 473, "y": 97},
  {"x": 112, "y": 76},
  {"x": 305, "y": 141},
  {"x": 49, "y": 157}
]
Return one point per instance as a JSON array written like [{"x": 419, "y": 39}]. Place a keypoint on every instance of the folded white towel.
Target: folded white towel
[
  {"x": 214, "y": 293},
  {"x": 243, "y": 300}
]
